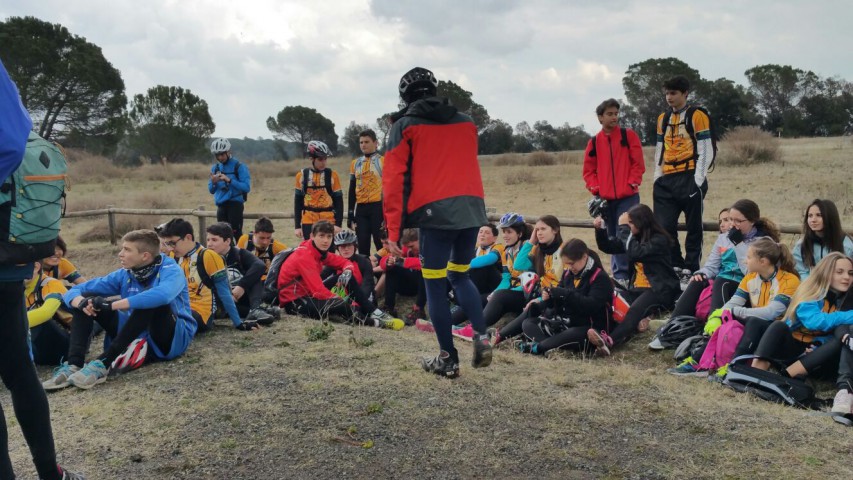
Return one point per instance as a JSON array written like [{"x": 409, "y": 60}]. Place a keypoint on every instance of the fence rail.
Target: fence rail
[{"x": 202, "y": 215}]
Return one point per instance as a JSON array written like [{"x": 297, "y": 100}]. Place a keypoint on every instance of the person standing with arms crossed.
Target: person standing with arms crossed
[
  {"x": 365, "y": 193},
  {"x": 432, "y": 181},
  {"x": 16, "y": 367}
]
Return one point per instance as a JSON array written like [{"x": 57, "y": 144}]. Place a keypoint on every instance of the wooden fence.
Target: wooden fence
[{"x": 202, "y": 215}]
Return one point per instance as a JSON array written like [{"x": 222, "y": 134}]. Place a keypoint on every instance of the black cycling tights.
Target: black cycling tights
[{"x": 28, "y": 397}]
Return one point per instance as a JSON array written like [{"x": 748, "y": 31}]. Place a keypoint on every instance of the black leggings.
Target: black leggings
[
  {"x": 50, "y": 343},
  {"x": 404, "y": 281},
  {"x": 368, "y": 223},
  {"x": 754, "y": 328},
  {"x": 251, "y": 299},
  {"x": 723, "y": 290},
  {"x": 159, "y": 322},
  {"x": 458, "y": 315},
  {"x": 232, "y": 212},
  {"x": 778, "y": 344},
  {"x": 573, "y": 338},
  {"x": 19, "y": 375},
  {"x": 647, "y": 302},
  {"x": 502, "y": 302},
  {"x": 486, "y": 279},
  {"x": 334, "y": 308}
]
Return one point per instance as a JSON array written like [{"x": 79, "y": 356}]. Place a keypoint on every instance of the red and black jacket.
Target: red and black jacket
[
  {"x": 300, "y": 273},
  {"x": 432, "y": 177},
  {"x": 612, "y": 163}
]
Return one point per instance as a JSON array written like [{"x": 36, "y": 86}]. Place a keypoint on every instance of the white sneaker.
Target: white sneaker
[
  {"x": 843, "y": 403},
  {"x": 656, "y": 345},
  {"x": 60, "y": 377}
]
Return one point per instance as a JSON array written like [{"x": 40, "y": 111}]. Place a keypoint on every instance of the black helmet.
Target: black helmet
[
  {"x": 597, "y": 206},
  {"x": 677, "y": 329},
  {"x": 691, "y": 347},
  {"x": 416, "y": 83}
]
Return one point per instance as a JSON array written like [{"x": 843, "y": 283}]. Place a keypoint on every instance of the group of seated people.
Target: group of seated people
[{"x": 557, "y": 293}]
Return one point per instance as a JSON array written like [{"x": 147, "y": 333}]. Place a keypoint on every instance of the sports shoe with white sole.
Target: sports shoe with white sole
[
  {"x": 656, "y": 345},
  {"x": 385, "y": 320},
  {"x": 482, "y": 351},
  {"x": 59, "y": 379},
  {"x": 93, "y": 373},
  {"x": 601, "y": 341},
  {"x": 442, "y": 365},
  {"x": 843, "y": 402}
]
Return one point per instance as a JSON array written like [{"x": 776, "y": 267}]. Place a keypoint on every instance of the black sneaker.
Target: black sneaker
[
  {"x": 482, "y": 351},
  {"x": 442, "y": 365}
]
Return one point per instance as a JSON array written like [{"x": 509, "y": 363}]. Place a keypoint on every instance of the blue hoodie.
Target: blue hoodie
[
  {"x": 230, "y": 192},
  {"x": 168, "y": 287},
  {"x": 15, "y": 126}
]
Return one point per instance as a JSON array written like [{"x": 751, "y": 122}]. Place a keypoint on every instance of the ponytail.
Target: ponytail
[
  {"x": 778, "y": 254},
  {"x": 768, "y": 228}
]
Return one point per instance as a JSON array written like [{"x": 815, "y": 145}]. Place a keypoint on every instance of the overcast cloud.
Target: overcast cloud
[{"x": 523, "y": 60}]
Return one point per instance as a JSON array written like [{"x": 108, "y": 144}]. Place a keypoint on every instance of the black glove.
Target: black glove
[
  {"x": 98, "y": 303},
  {"x": 400, "y": 261},
  {"x": 735, "y": 235},
  {"x": 344, "y": 278},
  {"x": 247, "y": 325}
]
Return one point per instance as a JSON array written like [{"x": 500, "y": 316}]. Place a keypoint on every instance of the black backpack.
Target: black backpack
[
  {"x": 624, "y": 142},
  {"x": 328, "y": 180},
  {"x": 688, "y": 125},
  {"x": 741, "y": 376},
  {"x": 237, "y": 165},
  {"x": 271, "y": 283}
]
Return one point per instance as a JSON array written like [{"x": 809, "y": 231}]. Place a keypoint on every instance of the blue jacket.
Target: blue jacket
[
  {"x": 230, "y": 192},
  {"x": 15, "y": 126},
  {"x": 168, "y": 287},
  {"x": 812, "y": 319},
  {"x": 728, "y": 260},
  {"x": 819, "y": 252}
]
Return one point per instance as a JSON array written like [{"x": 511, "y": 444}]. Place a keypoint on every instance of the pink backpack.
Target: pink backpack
[
  {"x": 721, "y": 347},
  {"x": 703, "y": 306}
]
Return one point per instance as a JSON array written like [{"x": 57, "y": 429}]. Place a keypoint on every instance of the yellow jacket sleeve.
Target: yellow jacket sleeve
[{"x": 42, "y": 314}]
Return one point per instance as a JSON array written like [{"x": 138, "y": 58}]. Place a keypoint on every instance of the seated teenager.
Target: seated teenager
[
  {"x": 507, "y": 296},
  {"x": 59, "y": 267},
  {"x": 49, "y": 323},
  {"x": 582, "y": 300},
  {"x": 153, "y": 306},
  {"x": 346, "y": 245},
  {"x": 822, "y": 233},
  {"x": 376, "y": 260},
  {"x": 248, "y": 291},
  {"x": 761, "y": 298},
  {"x": 540, "y": 255},
  {"x": 301, "y": 288},
  {"x": 726, "y": 264},
  {"x": 206, "y": 275},
  {"x": 261, "y": 244},
  {"x": 725, "y": 220},
  {"x": 655, "y": 284},
  {"x": 403, "y": 276},
  {"x": 817, "y": 321},
  {"x": 486, "y": 265}
]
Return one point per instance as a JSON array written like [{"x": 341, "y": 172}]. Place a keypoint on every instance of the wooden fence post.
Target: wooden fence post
[
  {"x": 111, "y": 219},
  {"x": 202, "y": 225}
]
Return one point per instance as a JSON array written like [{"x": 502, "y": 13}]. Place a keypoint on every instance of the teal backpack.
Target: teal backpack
[{"x": 32, "y": 203}]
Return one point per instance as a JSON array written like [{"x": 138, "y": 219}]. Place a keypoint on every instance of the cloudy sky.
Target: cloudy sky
[{"x": 523, "y": 59}]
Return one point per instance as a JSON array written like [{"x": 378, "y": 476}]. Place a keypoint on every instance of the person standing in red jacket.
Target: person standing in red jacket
[
  {"x": 613, "y": 168},
  {"x": 432, "y": 181}
]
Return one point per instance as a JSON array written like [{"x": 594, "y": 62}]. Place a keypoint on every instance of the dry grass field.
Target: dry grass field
[{"x": 272, "y": 405}]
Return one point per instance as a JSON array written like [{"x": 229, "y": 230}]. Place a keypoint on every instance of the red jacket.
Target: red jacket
[
  {"x": 610, "y": 173},
  {"x": 432, "y": 176},
  {"x": 300, "y": 274}
]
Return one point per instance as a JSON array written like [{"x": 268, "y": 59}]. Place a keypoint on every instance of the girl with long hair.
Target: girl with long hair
[
  {"x": 654, "y": 284},
  {"x": 822, "y": 233}
]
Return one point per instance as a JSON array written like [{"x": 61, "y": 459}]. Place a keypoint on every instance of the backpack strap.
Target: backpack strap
[
  {"x": 250, "y": 245},
  {"x": 205, "y": 278},
  {"x": 328, "y": 172},
  {"x": 592, "y": 152},
  {"x": 664, "y": 124}
]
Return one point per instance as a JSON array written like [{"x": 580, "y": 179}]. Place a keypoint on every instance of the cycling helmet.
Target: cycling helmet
[
  {"x": 234, "y": 276},
  {"x": 597, "y": 206},
  {"x": 345, "y": 237},
  {"x": 678, "y": 329},
  {"x": 691, "y": 347},
  {"x": 318, "y": 149},
  {"x": 416, "y": 83},
  {"x": 220, "y": 145},
  {"x": 529, "y": 284},
  {"x": 511, "y": 219}
]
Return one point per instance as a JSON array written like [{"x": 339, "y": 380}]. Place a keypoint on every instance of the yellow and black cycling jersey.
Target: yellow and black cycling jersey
[
  {"x": 679, "y": 150},
  {"x": 202, "y": 300},
  {"x": 266, "y": 255},
  {"x": 553, "y": 268},
  {"x": 318, "y": 203},
  {"x": 367, "y": 173}
]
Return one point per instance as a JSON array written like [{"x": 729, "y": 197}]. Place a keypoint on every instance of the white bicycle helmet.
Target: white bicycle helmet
[
  {"x": 345, "y": 237},
  {"x": 220, "y": 145},
  {"x": 318, "y": 149}
]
